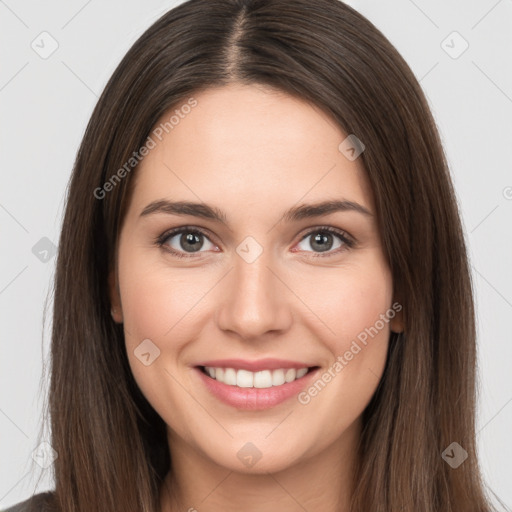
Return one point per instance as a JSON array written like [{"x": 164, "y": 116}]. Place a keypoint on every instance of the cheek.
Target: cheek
[
  {"x": 348, "y": 302},
  {"x": 363, "y": 314},
  {"x": 156, "y": 302},
  {"x": 158, "y": 305},
  {"x": 359, "y": 311},
  {"x": 355, "y": 304},
  {"x": 152, "y": 307}
]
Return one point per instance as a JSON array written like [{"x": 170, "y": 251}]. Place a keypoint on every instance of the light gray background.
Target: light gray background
[{"x": 46, "y": 103}]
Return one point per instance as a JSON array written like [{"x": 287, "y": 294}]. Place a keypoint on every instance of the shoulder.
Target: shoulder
[{"x": 41, "y": 502}]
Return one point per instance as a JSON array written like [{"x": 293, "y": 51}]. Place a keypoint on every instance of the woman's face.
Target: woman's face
[{"x": 253, "y": 286}]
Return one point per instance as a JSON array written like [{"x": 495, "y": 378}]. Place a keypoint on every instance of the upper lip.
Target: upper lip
[{"x": 254, "y": 366}]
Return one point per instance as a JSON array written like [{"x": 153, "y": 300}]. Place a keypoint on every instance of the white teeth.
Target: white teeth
[
  {"x": 301, "y": 372},
  {"x": 244, "y": 379},
  {"x": 261, "y": 379},
  {"x": 290, "y": 375},
  {"x": 230, "y": 377},
  {"x": 278, "y": 377}
]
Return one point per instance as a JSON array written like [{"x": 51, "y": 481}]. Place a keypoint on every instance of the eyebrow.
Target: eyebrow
[{"x": 294, "y": 214}]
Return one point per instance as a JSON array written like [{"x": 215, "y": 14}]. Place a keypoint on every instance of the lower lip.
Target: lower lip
[{"x": 255, "y": 398}]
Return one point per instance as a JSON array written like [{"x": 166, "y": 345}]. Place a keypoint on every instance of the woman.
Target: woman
[{"x": 261, "y": 373}]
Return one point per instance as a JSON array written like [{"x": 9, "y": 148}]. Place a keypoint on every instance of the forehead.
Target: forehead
[{"x": 252, "y": 146}]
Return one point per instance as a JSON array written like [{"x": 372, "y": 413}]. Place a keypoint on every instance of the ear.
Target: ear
[
  {"x": 397, "y": 322},
  {"x": 115, "y": 297}
]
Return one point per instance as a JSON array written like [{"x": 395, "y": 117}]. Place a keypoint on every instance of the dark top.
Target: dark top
[{"x": 42, "y": 502}]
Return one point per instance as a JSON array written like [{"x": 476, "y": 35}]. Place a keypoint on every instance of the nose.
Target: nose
[{"x": 254, "y": 300}]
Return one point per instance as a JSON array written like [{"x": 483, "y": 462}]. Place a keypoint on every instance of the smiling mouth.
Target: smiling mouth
[{"x": 260, "y": 379}]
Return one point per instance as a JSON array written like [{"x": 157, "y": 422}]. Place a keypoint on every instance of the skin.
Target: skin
[{"x": 254, "y": 152}]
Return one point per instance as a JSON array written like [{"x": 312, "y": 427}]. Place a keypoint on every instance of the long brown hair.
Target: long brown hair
[{"x": 111, "y": 444}]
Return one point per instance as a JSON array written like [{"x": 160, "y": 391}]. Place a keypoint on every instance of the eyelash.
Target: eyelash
[{"x": 348, "y": 242}]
